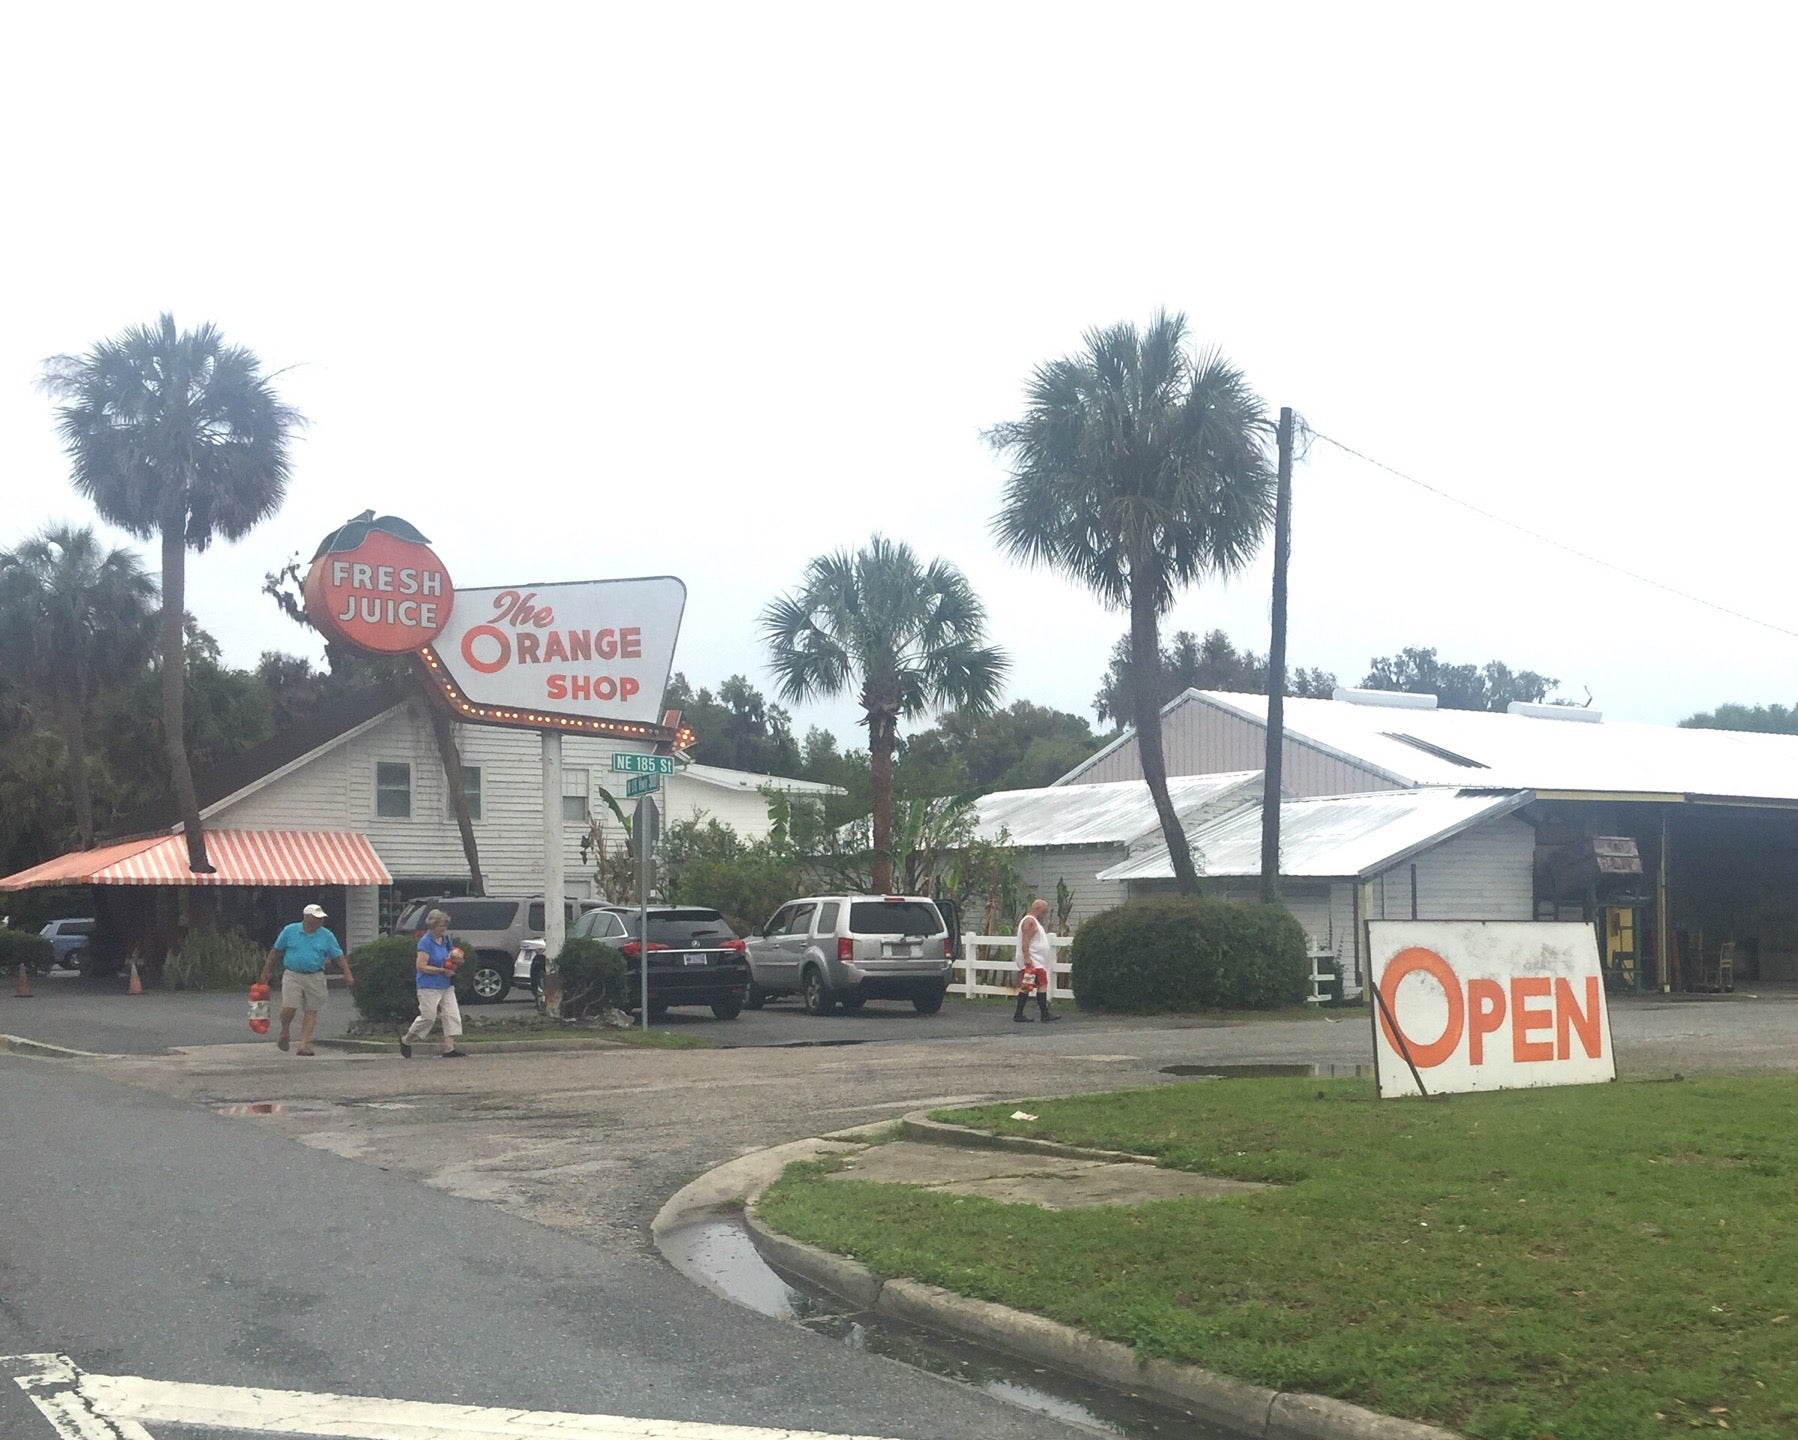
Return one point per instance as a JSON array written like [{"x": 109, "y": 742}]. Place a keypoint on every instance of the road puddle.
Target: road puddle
[{"x": 719, "y": 1255}]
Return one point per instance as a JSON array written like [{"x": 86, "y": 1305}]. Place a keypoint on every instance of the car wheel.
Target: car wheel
[
  {"x": 818, "y": 998},
  {"x": 756, "y": 998},
  {"x": 489, "y": 980},
  {"x": 727, "y": 1009},
  {"x": 75, "y": 960},
  {"x": 853, "y": 1002},
  {"x": 928, "y": 1003}
]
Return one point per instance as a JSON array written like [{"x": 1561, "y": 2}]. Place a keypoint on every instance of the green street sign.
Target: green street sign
[
  {"x": 631, "y": 763},
  {"x": 641, "y": 785}
]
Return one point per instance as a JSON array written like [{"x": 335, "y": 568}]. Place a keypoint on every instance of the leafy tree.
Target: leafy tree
[
  {"x": 1138, "y": 469},
  {"x": 1772, "y": 719},
  {"x": 1017, "y": 748},
  {"x": 909, "y": 638},
  {"x": 737, "y": 728},
  {"x": 179, "y": 435},
  {"x": 73, "y": 622},
  {"x": 1491, "y": 686},
  {"x": 1191, "y": 663}
]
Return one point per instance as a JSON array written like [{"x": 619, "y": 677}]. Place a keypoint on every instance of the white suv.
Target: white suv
[{"x": 847, "y": 949}]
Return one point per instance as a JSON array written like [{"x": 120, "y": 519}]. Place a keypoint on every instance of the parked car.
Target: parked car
[
  {"x": 695, "y": 958},
  {"x": 492, "y": 930},
  {"x": 848, "y": 949},
  {"x": 69, "y": 939}
]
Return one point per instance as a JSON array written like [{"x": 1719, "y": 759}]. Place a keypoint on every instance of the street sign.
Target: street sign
[
  {"x": 641, "y": 785},
  {"x": 630, "y": 762},
  {"x": 646, "y": 825}
]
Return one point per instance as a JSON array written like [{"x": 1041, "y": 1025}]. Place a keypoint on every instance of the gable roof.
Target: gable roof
[
  {"x": 1415, "y": 745},
  {"x": 331, "y": 725},
  {"x": 1113, "y": 813},
  {"x": 1329, "y": 836}
]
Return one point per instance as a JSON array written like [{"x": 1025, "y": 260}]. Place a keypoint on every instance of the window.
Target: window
[
  {"x": 827, "y": 918},
  {"x": 393, "y": 789},
  {"x": 574, "y": 797},
  {"x": 471, "y": 790},
  {"x": 800, "y": 921},
  {"x": 894, "y": 917}
]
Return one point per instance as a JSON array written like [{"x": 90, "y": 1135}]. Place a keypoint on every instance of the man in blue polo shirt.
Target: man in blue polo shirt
[{"x": 304, "y": 949}]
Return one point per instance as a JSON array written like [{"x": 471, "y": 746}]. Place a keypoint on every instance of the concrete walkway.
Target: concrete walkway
[{"x": 1018, "y": 1170}]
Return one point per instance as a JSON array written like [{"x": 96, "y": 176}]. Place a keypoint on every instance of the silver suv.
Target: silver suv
[{"x": 847, "y": 949}]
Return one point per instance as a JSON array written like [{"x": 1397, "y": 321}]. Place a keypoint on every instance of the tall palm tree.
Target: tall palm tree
[
  {"x": 70, "y": 619},
  {"x": 1138, "y": 469},
  {"x": 910, "y": 636},
  {"x": 175, "y": 434}
]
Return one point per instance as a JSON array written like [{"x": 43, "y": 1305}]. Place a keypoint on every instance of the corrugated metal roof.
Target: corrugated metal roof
[
  {"x": 749, "y": 780},
  {"x": 1525, "y": 752},
  {"x": 1114, "y": 813},
  {"x": 1334, "y": 836}
]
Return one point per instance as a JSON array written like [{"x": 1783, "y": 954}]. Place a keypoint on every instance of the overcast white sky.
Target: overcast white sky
[{"x": 588, "y": 291}]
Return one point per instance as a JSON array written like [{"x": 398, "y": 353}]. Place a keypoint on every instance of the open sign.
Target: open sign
[{"x": 1487, "y": 1005}]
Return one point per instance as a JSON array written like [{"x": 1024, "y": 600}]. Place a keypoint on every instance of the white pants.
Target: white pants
[{"x": 431, "y": 1005}]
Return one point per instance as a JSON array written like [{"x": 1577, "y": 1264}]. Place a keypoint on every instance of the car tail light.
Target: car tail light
[
  {"x": 845, "y": 949},
  {"x": 948, "y": 954},
  {"x": 630, "y": 950},
  {"x": 736, "y": 945}
]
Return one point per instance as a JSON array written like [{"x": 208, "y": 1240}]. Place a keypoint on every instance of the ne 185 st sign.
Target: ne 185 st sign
[{"x": 1487, "y": 1005}]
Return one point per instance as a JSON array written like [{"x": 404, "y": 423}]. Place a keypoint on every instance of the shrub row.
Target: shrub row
[
  {"x": 386, "y": 991},
  {"x": 1183, "y": 953},
  {"x": 22, "y": 947}
]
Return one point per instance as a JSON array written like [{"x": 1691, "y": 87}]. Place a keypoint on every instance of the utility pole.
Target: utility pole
[{"x": 1276, "y": 669}]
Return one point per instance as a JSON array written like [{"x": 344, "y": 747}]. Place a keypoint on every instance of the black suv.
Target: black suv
[{"x": 695, "y": 958}]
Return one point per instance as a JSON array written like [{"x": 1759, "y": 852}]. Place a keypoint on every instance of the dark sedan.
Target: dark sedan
[{"x": 695, "y": 958}]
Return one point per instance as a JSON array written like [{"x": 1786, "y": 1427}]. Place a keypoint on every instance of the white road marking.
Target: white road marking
[{"x": 114, "y": 1407}]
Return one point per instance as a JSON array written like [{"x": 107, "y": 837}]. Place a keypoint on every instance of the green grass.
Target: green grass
[{"x": 1590, "y": 1263}]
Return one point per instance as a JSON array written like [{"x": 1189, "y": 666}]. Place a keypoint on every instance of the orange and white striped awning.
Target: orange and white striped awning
[{"x": 241, "y": 857}]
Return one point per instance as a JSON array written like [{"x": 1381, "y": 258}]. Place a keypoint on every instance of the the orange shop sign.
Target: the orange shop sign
[
  {"x": 1487, "y": 1005},
  {"x": 376, "y": 585}
]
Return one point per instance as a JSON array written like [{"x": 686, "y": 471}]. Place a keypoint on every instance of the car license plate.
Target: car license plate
[{"x": 695, "y": 959}]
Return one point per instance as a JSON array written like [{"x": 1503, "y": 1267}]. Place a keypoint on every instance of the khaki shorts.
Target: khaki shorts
[{"x": 302, "y": 990}]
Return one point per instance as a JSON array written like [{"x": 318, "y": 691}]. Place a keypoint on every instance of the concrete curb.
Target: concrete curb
[
  {"x": 44, "y": 1050},
  {"x": 1216, "y": 1399},
  {"x": 919, "y": 1126}
]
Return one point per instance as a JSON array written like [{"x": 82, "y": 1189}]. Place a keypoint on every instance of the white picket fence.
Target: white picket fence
[{"x": 986, "y": 967}]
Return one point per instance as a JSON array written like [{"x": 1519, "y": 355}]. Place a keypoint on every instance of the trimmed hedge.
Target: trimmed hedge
[
  {"x": 214, "y": 960},
  {"x": 1183, "y": 953},
  {"x": 593, "y": 978},
  {"x": 385, "y": 990},
  {"x": 21, "y": 947}
]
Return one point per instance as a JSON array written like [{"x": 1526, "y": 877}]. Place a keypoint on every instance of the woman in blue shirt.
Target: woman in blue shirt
[{"x": 435, "y": 974}]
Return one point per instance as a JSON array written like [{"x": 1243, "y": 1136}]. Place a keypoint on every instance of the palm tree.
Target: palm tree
[
  {"x": 1138, "y": 469},
  {"x": 70, "y": 619},
  {"x": 179, "y": 435},
  {"x": 910, "y": 636}
]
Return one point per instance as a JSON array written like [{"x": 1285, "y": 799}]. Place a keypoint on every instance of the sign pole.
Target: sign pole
[
  {"x": 643, "y": 900},
  {"x": 555, "y": 924}
]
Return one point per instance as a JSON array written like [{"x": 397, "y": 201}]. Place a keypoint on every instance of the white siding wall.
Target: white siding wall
[
  {"x": 1481, "y": 874},
  {"x": 336, "y": 791},
  {"x": 1038, "y": 870}
]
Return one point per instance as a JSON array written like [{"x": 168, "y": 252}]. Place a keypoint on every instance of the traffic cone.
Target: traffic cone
[
  {"x": 22, "y": 986},
  {"x": 137, "y": 986}
]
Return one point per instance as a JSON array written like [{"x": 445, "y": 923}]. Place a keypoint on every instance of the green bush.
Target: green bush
[
  {"x": 385, "y": 990},
  {"x": 1184, "y": 953},
  {"x": 21, "y": 947},
  {"x": 593, "y": 978},
  {"x": 214, "y": 960}
]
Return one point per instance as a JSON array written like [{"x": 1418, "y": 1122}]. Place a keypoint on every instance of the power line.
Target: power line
[{"x": 1550, "y": 540}]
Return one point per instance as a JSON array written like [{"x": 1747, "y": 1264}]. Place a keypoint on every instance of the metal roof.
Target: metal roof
[
  {"x": 749, "y": 780},
  {"x": 1114, "y": 813},
  {"x": 1331, "y": 836},
  {"x": 1532, "y": 752}
]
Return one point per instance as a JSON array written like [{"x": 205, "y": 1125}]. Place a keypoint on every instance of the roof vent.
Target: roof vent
[
  {"x": 1555, "y": 712},
  {"x": 1392, "y": 699}
]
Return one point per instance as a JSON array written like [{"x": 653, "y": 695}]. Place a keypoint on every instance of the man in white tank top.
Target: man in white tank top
[{"x": 1032, "y": 962}]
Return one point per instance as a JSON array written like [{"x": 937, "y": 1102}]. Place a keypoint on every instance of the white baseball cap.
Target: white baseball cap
[{"x": 314, "y": 912}]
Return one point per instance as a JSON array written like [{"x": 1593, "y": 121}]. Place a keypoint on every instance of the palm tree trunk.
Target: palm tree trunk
[
  {"x": 1145, "y": 698},
  {"x": 450, "y": 757},
  {"x": 883, "y": 735},
  {"x": 174, "y": 677},
  {"x": 74, "y": 737}
]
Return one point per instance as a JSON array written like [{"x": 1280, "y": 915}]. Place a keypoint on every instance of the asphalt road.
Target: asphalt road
[{"x": 479, "y": 1231}]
